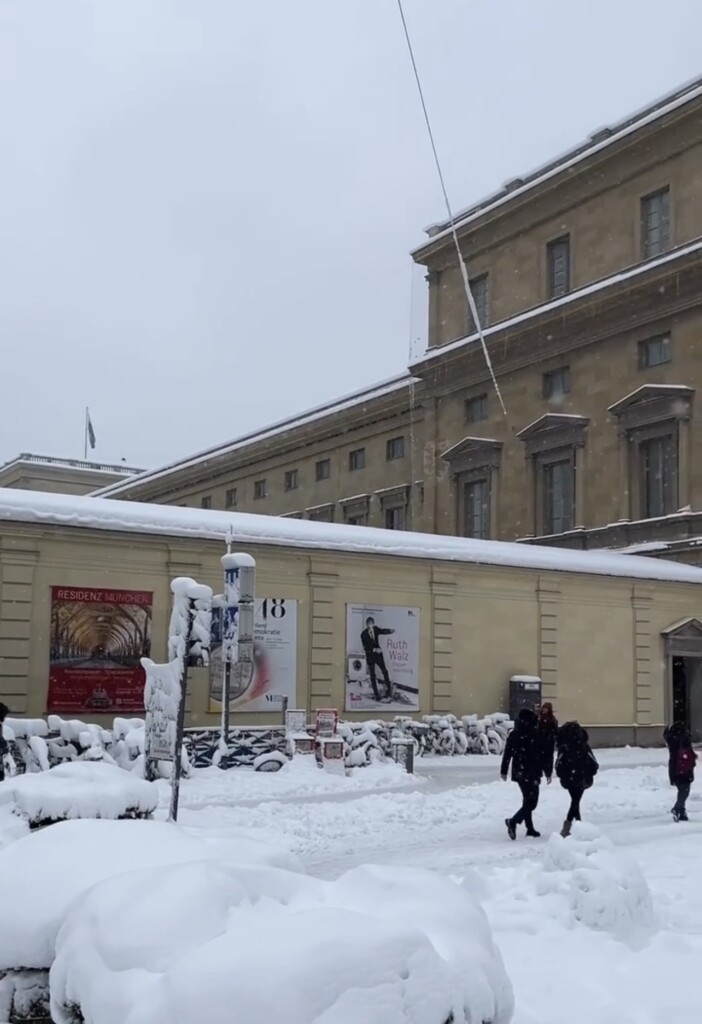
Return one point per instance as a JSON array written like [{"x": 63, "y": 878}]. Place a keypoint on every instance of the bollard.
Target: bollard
[{"x": 403, "y": 753}]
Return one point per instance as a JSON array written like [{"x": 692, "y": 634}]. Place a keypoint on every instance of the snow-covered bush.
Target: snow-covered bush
[
  {"x": 80, "y": 790},
  {"x": 604, "y": 888},
  {"x": 209, "y": 936}
]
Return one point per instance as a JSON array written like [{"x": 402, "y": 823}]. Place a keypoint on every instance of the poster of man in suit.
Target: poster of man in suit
[{"x": 382, "y": 658}]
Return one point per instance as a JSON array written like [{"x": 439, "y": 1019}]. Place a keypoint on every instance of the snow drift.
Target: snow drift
[{"x": 379, "y": 945}]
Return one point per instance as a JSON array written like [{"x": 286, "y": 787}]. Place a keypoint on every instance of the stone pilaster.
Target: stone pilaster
[
  {"x": 18, "y": 565},
  {"x": 641, "y": 599},
  {"x": 324, "y": 629},
  {"x": 442, "y": 640},
  {"x": 548, "y": 595}
]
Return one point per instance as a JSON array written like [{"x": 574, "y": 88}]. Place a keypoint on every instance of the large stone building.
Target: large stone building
[
  {"x": 63, "y": 476},
  {"x": 84, "y": 592},
  {"x": 587, "y": 276}
]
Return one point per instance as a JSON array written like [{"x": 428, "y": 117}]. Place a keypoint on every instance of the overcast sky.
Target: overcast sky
[{"x": 206, "y": 206}]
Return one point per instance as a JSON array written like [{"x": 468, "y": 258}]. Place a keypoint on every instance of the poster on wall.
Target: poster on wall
[
  {"x": 275, "y": 660},
  {"x": 97, "y": 640},
  {"x": 382, "y": 658}
]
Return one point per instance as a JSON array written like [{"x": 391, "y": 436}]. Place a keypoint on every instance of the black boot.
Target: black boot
[
  {"x": 533, "y": 834},
  {"x": 511, "y": 828}
]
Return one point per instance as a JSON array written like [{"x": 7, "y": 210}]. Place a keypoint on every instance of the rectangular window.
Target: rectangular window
[
  {"x": 476, "y": 509},
  {"x": 659, "y": 476},
  {"x": 357, "y": 519},
  {"x": 291, "y": 480},
  {"x": 655, "y": 223},
  {"x": 556, "y": 383},
  {"x": 558, "y": 267},
  {"x": 357, "y": 459},
  {"x": 480, "y": 290},
  {"x": 206, "y": 502},
  {"x": 321, "y": 515},
  {"x": 260, "y": 489},
  {"x": 559, "y": 495},
  {"x": 232, "y": 497},
  {"x": 322, "y": 470},
  {"x": 395, "y": 449},
  {"x": 396, "y": 518},
  {"x": 654, "y": 352},
  {"x": 476, "y": 409}
]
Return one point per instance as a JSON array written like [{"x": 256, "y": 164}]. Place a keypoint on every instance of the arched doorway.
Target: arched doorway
[{"x": 683, "y": 652}]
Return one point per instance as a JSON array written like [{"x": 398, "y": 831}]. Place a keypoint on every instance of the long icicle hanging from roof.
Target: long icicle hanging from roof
[{"x": 461, "y": 261}]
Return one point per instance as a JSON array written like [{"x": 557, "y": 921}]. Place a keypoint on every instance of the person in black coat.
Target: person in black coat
[
  {"x": 576, "y": 768},
  {"x": 681, "y": 766},
  {"x": 548, "y": 726},
  {"x": 529, "y": 756}
]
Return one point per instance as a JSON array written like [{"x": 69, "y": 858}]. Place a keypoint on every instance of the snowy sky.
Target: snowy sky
[{"x": 208, "y": 205}]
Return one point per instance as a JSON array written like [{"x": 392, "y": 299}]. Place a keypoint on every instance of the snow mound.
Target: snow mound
[
  {"x": 65, "y": 860},
  {"x": 605, "y": 888},
  {"x": 82, "y": 789},
  {"x": 379, "y": 945}
]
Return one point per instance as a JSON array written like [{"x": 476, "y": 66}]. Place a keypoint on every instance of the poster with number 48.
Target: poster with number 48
[{"x": 275, "y": 661}]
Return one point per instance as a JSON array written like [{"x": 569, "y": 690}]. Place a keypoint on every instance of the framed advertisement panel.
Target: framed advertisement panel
[
  {"x": 274, "y": 662},
  {"x": 382, "y": 658},
  {"x": 98, "y": 637}
]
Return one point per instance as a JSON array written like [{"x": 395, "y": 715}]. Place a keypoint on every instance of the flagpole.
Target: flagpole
[{"x": 85, "y": 432}]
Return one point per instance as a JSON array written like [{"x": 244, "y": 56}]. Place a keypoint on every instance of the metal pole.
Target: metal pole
[
  {"x": 85, "y": 435},
  {"x": 180, "y": 726},
  {"x": 226, "y": 697}
]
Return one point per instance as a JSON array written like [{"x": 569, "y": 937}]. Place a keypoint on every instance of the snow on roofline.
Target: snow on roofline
[
  {"x": 570, "y": 158},
  {"x": 245, "y": 529},
  {"x": 565, "y": 300},
  {"x": 52, "y": 461},
  {"x": 385, "y": 387}
]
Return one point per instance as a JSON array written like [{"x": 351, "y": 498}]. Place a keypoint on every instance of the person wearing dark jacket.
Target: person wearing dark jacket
[
  {"x": 681, "y": 766},
  {"x": 4, "y": 712},
  {"x": 576, "y": 768},
  {"x": 529, "y": 756},
  {"x": 548, "y": 726}
]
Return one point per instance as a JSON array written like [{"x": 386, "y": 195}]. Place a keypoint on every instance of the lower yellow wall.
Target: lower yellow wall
[{"x": 595, "y": 641}]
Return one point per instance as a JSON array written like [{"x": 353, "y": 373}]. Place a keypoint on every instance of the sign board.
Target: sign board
[
  {"x": 382, "y": 658},
  {"x": 97, "y": 640},
  {"x": 162, "y": 701},
  {"x": 327, "y": 721}
]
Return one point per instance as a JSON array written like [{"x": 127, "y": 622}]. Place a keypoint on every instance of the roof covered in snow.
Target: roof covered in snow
[
  {"x": 52, "y": 462},
  {"x": 245, "y": 529},
  {"x": 598, "y": 141},
  {"x": 356, "y": 398}
]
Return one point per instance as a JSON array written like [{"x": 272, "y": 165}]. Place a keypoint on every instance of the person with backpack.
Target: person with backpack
[
  {"x": 576, "y": 768},
  {"x": 529, "y": 756},
  {"x": 681, "y": 766}
]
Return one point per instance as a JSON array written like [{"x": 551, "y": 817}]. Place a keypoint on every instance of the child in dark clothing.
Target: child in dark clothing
[
  {"x": 681, "y": 766},
  {"x": 576, "y": 768}
]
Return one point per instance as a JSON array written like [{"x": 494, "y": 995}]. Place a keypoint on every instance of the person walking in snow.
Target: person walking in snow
[
  {"x": 548, "y": 726},
  {"x": 681, "y": 766},
  {"x": 576, "y": 768},
  {"x": 529, "y": 756}
]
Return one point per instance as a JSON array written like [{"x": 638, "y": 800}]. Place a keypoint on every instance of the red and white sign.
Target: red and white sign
[{"x": 327, "y": 721}]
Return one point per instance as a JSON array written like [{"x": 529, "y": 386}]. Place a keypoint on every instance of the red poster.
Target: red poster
[{"x": 98, "y": 638}]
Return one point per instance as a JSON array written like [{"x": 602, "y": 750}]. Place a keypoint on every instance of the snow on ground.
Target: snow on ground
[
  {"x": 603, "y": 928},
  {"x": 298, "y": 778}
]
